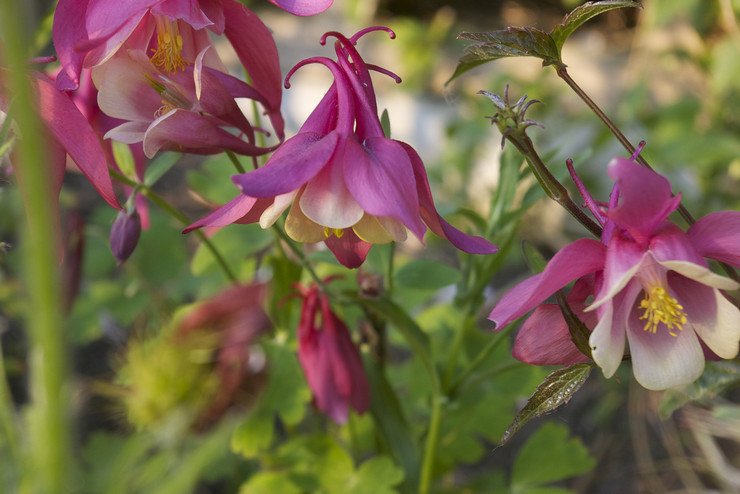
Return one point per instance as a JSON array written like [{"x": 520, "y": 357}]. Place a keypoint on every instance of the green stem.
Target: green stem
[
  {"x": 430, "y": 447},
  {"x": 479, "y": 359},
  {"x": 162, "y": 203},
  {"x": 49, "y": 423},
  {"x": 235, "y": 161},
  {"x": 299, "y": 254},
  {"x": 389, "y": 269},
  {"x": 455, "y": 350},
  {"x": 550, "y": 184},
  {"x": 685, "y": 214}
]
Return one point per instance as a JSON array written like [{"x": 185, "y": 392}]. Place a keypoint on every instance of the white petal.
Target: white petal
[
  {"x": 714, "y": 318},
  {"x": 701, "y": 274},
  {"x": 661, "y": 361},
  {"x": 607, "y": 346},
  {"x": 273, "y": 212},
  {"x": 327, "y": 201}
]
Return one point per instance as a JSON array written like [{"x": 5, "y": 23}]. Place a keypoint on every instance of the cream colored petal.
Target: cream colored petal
[
  {"x": 370, "y": 230},
  {"x": 700, "y": 274},
  {"x": 273, "y": 212},
  {"x": 300, "y": 228},
  {"x": 396, "y": 229}
]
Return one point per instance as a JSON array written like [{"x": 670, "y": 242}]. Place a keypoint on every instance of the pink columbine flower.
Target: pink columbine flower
[
  {"x": 172, "y": 34},
  {"x": 651, "y": 287},
  {"x": 190, "y": 110},
  {"x": 330, "y": 360},
  {"x": 343, "y": 181},
  {"x": 303, "y": 7}
]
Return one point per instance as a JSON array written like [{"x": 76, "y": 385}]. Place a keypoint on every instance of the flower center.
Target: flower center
[
  {"x": 328, "y": 232},
  {"x": 661, "y": 308},
  {"x": 168, "y": 55}
]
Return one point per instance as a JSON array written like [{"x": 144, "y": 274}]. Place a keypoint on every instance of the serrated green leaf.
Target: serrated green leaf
[
  {"x": 161, "y": 165},
  {"x": 549, "y": 455},
  {"x": 509, "y": 42},
  {"x": 377, "y": 475},
  {"x": 423, "y": 274},
  {"x": 557, "y": 389},
  {"x": 583, "y": 13},
  {"x": 125, "y": 160}
]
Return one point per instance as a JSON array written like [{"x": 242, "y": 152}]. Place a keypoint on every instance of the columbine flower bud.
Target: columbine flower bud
[
  {"x": 510, "y": 119},
  {"x": 124, "y": 234}
]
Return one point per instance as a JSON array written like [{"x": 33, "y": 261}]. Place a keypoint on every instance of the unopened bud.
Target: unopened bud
[{"x": 124, "y": 235}]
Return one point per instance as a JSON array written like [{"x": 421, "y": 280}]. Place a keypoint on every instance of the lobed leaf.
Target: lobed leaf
[
  {"x": 557, "y": 389},
  {"x": 509, "y": 42},
  {"x": 583, "y": 13}
]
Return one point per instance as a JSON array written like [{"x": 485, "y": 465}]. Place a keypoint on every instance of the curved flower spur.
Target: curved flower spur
[
  {"x": 344, "y": 182},
  {"x": 650, "y": 282}
]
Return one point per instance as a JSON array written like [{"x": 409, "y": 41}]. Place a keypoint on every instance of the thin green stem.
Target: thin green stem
[
  {"x": 389, "y": 269},
  {"x": 162, "y": 203},
  {"x": 49, "y": 423},
  {"x": 479, "y": 359},
  {"x": 550, "y": 184},
  {"x": 455, "y": 348},
  {"x": 299, "y": 254},
  {"x": 235, "y": 161},
  {"x": 430, "y": 447}
]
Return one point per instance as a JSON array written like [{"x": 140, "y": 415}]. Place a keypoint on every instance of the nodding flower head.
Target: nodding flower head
[{"x": 341, "y": 179}]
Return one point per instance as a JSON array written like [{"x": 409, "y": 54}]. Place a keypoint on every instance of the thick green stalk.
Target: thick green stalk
[{"x": 49, "y": 462}]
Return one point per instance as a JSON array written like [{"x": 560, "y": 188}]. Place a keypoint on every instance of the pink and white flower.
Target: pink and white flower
[{"x": 652, "y": 287}]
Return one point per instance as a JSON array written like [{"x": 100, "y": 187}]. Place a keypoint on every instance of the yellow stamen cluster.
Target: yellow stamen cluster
[
  {"x": 661, "y": 308},
  {"x": 168, "y": 55},
  {"x": 328, "y": 232}
]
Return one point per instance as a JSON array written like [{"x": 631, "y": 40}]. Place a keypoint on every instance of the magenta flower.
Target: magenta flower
[
  {"x": 190, "y": 110},
  {"x": 330, "y": 361},
  {"x": 342, "y": 180},
  {"x": 303, "y": 7},
  {"x": 653, "y": 289},
  {"x": 172, "y": 34}
]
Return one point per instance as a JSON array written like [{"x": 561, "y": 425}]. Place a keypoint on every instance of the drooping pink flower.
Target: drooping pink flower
[
  {"x": 303, "y": 7},
  {"x": 330, "y": 360},
  {"x": 343, "y": 181},
  {"x": 653, "y": 289},
  {"x": 172, "y": 34},
  {"x": 191, "y": 110}
]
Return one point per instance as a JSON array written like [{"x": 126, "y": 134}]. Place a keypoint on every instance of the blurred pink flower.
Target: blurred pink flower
[
  {"x": 330, "y": 360},
  {"x": 652, "y": 287},
  {"x": 172, "y": 34},
  {"x": 343, "y": 181},
  {"x": 303, "y": 7}
]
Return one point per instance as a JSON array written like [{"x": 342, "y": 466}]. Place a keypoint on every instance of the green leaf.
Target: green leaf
[
  {"x": 717, "y": 377},
  {"x": 125, "y": 160},
  {"x": 385, "y": 123},
  {"x": 549, "y": 455},
  {"x": 423, "y": 274},
  {"x": 557, "y": 389},
  {"x": 509, "y": 42},
  {"x": 269, "y": 483},
  {"x": 534, "y": 258},
  {"x": 161, "y": 165},
  {"x": 285, "y": 394},
  {"x": 583, "y": 13},
  {"x": 375, "y": 476}
]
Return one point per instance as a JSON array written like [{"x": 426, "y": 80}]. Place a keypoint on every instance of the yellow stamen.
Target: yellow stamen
[
  {"x": 661, "y": 308},
  {"x": 328, "y": 232},
  {"x": 168, "y": 55}
]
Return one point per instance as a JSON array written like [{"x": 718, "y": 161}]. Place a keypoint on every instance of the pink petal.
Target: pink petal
[
  {"x": 349, "y": 250},
  {"x": 257, "y": 52},
  {"x": 303, "y": 7},
  {"x": 123, "y": 90},
  {"x": 623, "y": 260},
  {"x": 128, "y": 132},
  {"x": 717, "y": 236},
  {"x": 135, "y": 33},
  {"x": 295, "y": 162},
  {"x": 714, "y": 318},
  {"x": 670, "y": 243},
  {"x": 327, "y": 201},
  {"x": 187, "y": 131},
  {"x": 467, "y": 243},
  {"x": 575, "y": 260},
  {"x": 544, "y": 339},
  {"x": 105, "y": 17},
  {"x": 70, "y": 128},
  {"x": 661, "y": 361},
  {"x": 187, "y": 10},
  {"x": 227, "y": 214},
  {"x": 645, "y": 198},
  {"x": 68, "y": 29},
  {"x": 380, "y": 176}
]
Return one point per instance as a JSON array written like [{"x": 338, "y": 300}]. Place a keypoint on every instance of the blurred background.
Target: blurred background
[{"x": 668, "y": 73}]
